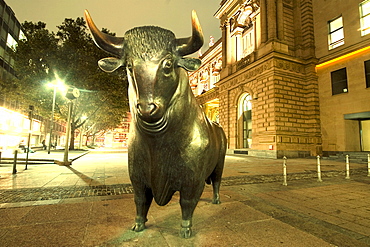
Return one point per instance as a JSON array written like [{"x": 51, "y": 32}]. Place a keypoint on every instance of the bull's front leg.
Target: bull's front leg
[
  {"x": 143, "y": 200},
  {"x": 188, "y": 201}
]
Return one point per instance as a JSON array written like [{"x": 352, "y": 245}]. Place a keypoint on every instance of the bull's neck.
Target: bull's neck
[{"x": 184, "y": 103}]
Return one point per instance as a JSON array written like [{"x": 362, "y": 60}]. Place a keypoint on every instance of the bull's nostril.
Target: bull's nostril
[{"x": 153, "y": 108}]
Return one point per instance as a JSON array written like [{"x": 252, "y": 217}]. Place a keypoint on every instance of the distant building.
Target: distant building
[
  {"x": 203, "y": 80},
  {"x": 14, "y": 123},
  {"x": 116, "y": 138},
  {"x": 10, "y": 34}
]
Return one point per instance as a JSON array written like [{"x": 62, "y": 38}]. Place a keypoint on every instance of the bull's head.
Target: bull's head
[{"x": 154, "y": 59}]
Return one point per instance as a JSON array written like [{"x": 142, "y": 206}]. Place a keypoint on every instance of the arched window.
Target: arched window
[{"x": 245, "y": 121}]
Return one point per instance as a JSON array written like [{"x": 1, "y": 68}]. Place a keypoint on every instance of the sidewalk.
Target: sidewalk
[
  {"x": 91, "y": 204},
  {"x": 41, "y": 156}
]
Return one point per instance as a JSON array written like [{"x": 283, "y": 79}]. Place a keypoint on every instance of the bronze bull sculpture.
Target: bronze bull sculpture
[{"x": 173, "y": 146}]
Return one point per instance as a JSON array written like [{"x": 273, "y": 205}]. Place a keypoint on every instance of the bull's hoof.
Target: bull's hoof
[
  {"x": 216, "y": 201},
  {"x": 138, "y": 227},
  {"x": 185, "y": 232}
]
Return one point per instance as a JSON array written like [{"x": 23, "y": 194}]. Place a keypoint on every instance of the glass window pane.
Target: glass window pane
[
  {"x": 339, "y": 81},
  {"x": 335, "y": 24},
  {"x": 365, "y": 8},
  {"x": 366, "y": 22},
  {"x": 365, "y": 17},
  {"x": 367, "y": 73},
  {"x": 336, "y": 36}
]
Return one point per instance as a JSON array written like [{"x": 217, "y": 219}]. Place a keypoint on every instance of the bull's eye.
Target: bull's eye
[{"x": 167, "y": 66}]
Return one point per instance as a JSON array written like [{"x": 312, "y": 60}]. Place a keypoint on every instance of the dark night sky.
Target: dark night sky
[{"x": 121, "y": 15}]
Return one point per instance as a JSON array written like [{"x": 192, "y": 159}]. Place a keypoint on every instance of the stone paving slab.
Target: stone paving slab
[
  {"x": 320, "y": 209},
  {"x": 257, "y": 210},
  {"x": 108, "y": 222}
]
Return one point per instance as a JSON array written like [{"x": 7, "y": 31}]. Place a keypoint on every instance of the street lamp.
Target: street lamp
[
  {"x": 72, "y": 93},
  {"x": 56, "y": 85}
]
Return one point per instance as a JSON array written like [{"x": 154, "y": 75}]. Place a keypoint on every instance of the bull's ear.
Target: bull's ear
[
  {"x": 190, "y": 64},
  {"x": 110, "y": 64}
]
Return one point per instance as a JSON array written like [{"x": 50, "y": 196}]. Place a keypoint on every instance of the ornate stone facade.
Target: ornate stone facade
[
  {"x": 278, "y": 93},
  {"x": 268, "y": 91}
]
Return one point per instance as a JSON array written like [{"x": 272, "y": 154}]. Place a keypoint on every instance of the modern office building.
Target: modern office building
[
  {"x": 14, "y": 124},
  {"x": 10, "y": 34},
  {"x": 342, "y": 47}
]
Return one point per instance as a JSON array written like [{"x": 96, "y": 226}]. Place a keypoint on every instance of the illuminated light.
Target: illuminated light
[{"x": 343, "y": 57}]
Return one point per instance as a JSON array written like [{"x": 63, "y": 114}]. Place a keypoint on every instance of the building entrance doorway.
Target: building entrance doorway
[
  {"x": 365, "y": 135},
  {"x": 245, "y": 121}
]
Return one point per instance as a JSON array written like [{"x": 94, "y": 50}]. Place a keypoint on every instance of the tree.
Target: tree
[
  {"x": 33, "y": 58},
  {"x": 71, "y": 55}
]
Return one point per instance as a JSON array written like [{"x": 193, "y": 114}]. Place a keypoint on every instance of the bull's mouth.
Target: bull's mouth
[{"x": 153, "y": 127}]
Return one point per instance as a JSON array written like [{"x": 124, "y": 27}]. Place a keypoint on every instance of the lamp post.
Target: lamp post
[
  {"x": 52, "y": 118},
  {"x": 58, "y": 84},
  {"x": 31, "y": 108},
  {"x": 72, "y": 94}
]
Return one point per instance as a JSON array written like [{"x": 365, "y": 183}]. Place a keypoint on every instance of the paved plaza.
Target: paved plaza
[{"x": 91, "y": 204}]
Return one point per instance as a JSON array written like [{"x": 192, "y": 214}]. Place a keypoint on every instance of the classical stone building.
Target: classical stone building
[
  {"x": 268, "y": 88},
  {"x": 342, "y": 43},
  {"x": 203, "y": 81}
]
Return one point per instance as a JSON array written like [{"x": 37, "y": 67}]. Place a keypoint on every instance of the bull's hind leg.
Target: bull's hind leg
[
  {"x": 188, "y": 201},
  {"x": 216, "y": 180},
  {"x": 143, "y": 199}
]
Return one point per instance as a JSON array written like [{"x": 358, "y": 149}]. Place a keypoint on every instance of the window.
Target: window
[
  {"x": 365, "y": 17},
  {"x": 248, "y": 42},
  {"x": 336, "y": 34},
  {"x": 339, "y": 81},
  {"x": 245, "y": 121},
  {"x": 367, "y": 73},
  {"x": 11, "y": 42}
]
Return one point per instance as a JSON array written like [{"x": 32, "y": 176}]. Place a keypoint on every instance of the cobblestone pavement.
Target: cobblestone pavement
[
  {"x": 65, "y": 192},
  {"x": 53, "y": 193}
]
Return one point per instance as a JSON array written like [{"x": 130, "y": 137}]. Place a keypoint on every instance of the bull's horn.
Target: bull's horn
[
  {"x": 106, "y": 42},
  {"x": 186, "y": 46}
]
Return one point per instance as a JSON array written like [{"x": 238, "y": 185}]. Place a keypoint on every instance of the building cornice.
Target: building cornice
[
  {"x": 227, "y": 6},
  {"x": 337, "y": 53}
]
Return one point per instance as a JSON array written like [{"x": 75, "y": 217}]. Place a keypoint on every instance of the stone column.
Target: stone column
[
  {"x": 271, "y": 20},
  {"x": 226, "y": 48},
  {"x": 263, "y": 21},
  {"x": 255, "y": 30},
  {"x": 280, "y": 19},
  {"x": 238, "y": 46}
]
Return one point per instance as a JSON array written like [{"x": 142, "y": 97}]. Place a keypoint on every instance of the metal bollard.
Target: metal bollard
[
  {"x": 284, "y": 171},
  {"x": 347, "y": 166},
  {"x": 15, "y": 162},
  {"x": 368, "y": 165},
  {"x": 318, "y": 169}
]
